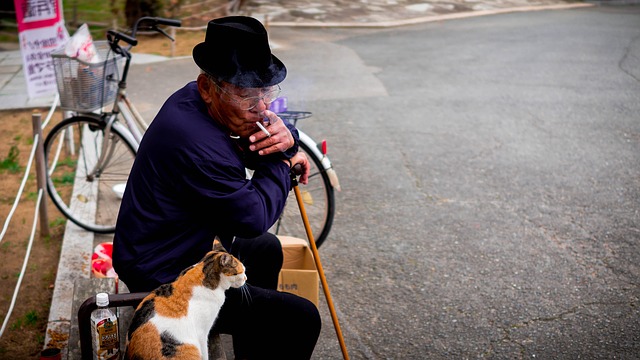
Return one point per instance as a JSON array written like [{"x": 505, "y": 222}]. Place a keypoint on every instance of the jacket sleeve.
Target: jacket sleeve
[
  {"x": 233, "y": 204},
  {"x": 288, "y": 154}
]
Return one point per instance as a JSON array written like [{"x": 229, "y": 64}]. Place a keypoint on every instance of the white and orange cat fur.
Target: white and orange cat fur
[{"x": 174, "y": 320}]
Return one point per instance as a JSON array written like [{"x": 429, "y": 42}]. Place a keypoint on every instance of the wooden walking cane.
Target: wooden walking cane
[{"x": 316, "y": 257}]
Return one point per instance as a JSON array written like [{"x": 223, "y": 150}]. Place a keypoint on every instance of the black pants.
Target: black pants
[{"x": 265, "y": 323}]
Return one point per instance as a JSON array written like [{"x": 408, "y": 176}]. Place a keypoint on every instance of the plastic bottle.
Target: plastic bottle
[{"x": 104, "y": 326}]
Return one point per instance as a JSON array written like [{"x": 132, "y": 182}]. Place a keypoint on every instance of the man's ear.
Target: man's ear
[{"x": 204, "y": 88}]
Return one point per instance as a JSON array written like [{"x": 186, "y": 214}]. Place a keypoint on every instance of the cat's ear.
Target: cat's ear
[
  {"x": 226, "y": 260},
  {"x": 217, "y": 245}
]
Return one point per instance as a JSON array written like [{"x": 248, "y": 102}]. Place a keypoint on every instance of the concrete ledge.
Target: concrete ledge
[
  {"x": 84, "y": 289},
  {"x": 75, "y": 260}
]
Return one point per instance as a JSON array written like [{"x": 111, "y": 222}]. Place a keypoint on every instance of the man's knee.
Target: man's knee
[
  {"x": 269, "y": 243},
  {"x": 262, "y": 257},
  {"x": 266, "y": 246}
]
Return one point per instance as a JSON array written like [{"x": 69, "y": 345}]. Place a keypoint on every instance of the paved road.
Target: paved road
[{"x": 490, "y": 176}]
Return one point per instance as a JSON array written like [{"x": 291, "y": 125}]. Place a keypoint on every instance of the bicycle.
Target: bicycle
[
  {"x": 93, "y": 142},
  {"x": 100, "y": 149}
]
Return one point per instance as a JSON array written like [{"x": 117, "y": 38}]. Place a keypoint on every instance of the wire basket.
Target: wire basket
[{"x": 83, "y": 86}]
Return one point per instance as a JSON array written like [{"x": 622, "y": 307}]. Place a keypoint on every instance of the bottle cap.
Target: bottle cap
[{"x": 102, "y": 299}]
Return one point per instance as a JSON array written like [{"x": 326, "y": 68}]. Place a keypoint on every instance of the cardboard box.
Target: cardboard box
[{"x": 299, "y": 274}]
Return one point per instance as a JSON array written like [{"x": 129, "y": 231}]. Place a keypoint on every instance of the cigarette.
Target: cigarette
[{"x": 264, "y": 130}]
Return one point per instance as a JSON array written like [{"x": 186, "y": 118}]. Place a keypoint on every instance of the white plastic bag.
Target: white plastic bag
[{"x": 81, "y": 46}]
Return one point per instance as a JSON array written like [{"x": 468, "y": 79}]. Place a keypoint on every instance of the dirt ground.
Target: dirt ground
[{"x": 24, "y": 334}]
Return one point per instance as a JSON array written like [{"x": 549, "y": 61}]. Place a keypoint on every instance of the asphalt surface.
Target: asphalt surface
[
  {"x": 490, "y": 185},
  {"x": 490, "y": 179}
]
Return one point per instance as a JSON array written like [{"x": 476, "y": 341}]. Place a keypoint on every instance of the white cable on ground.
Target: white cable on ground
[
  {"x": 24, "y": 181},
  {"x": 24, "y": 263}
]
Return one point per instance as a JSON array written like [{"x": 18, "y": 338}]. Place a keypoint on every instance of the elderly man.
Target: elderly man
[{"x": 189, "y": 184}]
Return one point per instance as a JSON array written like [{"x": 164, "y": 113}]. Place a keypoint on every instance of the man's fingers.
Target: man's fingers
[
  {"x": 273, "y": 118},
  {"x": 279, "y": 141},
  {"x": 276, "y": 143},
  {"x": 300, "y": 159}
]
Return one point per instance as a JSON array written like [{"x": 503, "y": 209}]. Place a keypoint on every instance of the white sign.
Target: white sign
[{"x": 41, "y": 28}]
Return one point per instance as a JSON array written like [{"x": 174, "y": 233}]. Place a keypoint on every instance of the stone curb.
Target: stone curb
[{"x": 425, "y": 19}]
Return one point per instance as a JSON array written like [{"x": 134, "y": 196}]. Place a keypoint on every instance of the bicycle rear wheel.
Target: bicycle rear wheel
[
  {"x": 319, "y": 204},
  {"x": 83, "y": 183}
]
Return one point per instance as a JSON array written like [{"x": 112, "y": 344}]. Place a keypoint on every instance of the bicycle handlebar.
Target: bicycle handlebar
[
  {"x": 150, "y": 22},
  {"x": 115, "y": 36},
  {"x": 153, "y": 23},
  {"x": 293, "y": 116},
  {"x": 169, "y": 22}
]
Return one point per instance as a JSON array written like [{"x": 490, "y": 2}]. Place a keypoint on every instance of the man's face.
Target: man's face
[{"x": 239, "y": 109}]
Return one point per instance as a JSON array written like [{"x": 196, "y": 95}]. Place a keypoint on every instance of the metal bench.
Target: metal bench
[{"x": 126, "y": 304}]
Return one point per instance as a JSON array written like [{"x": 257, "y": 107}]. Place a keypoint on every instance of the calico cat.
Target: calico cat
[{"x": 174, "y": 320}]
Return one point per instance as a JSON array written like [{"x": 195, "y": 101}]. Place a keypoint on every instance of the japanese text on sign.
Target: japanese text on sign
[{"x": 42, "y": 30}]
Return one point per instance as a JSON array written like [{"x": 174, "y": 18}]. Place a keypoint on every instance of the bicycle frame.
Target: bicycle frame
[
  {"x": 124, "y": 130},
  {"x": 103, "y": 147},
  {"x": 109, "y": 146},
  {"x": 133, "y": 120},
  {"x": 132, "y": 125}
]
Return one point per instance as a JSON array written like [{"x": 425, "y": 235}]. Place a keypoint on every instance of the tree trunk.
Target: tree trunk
[{"x": 134, "y": 9}]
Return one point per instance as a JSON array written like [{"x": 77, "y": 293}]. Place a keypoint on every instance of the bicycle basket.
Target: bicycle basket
[{"x": 83, "y": 86}]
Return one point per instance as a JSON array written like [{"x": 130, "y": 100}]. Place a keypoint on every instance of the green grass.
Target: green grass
[
  {"x": 5, "y": 246},
  {"x": 32, "y": 195},
  {"x": 29, "y": 319},
  {"x": 49, "y": 276},
  {"x": 98, "y": 13},
  {"x": 83, "y": 11},
  {"x": 66, "y": 178},
  {"x": 67, "y": 162},
  {"x": 10, "y": 163},
  {"x": 57, "y": 221}
]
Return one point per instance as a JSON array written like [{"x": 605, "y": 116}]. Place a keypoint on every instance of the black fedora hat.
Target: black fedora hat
[{"x": 236, "y": 50}]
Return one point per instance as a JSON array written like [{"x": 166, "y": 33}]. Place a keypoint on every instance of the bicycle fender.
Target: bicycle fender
[
  {"x": 124, "y": 131},
  {"x": 324, "y": 159}
]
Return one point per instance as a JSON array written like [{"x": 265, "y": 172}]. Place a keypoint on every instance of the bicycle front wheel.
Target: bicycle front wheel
[
  {"x": 86, "y": 172},
  {"x": 319, "y": 204}
]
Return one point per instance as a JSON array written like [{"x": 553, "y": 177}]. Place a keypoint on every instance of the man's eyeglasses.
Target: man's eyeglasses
[{"x": 248, "y": 103}]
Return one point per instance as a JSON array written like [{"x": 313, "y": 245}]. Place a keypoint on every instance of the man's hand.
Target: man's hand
[
  {"x": 301, "y": 158},
  {"x": 279, "y": 141}
]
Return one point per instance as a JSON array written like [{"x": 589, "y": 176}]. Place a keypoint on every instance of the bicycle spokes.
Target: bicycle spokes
[{"x": 100, "y": 163}]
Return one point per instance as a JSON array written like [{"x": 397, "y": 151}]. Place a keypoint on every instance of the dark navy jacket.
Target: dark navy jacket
[{"x": 187, "y": 185}]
